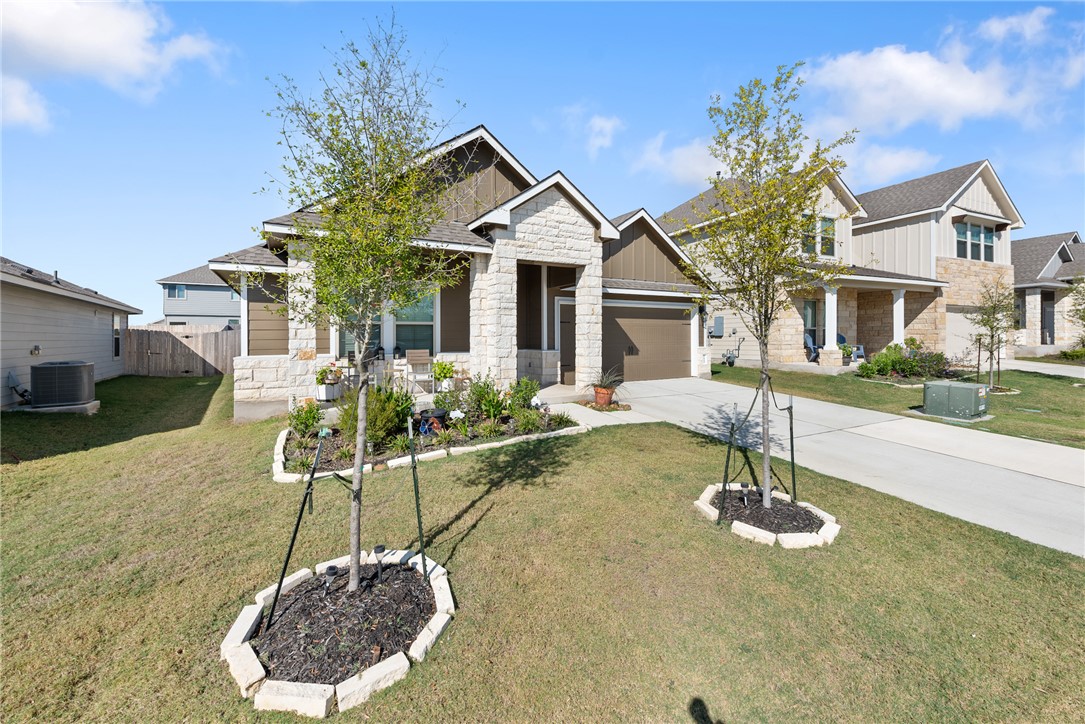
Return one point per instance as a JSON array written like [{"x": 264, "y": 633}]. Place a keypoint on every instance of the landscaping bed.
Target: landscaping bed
[
  {"x": 783, "y": 517},
  {"x": 324, "y": 639},
  {"x": 612, "y": 407}
]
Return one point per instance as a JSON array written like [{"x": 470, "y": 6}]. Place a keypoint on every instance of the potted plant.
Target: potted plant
[
  {"x": 443, "y": 370},
  {"x": 846, "y": 350},
  {"x": 604, "y": 386},
  {"x": 328, "y": 381}
]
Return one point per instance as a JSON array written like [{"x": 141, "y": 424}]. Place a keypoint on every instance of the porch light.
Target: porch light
[
  {"x": 378, "y": 553},
  {"x": 329, "y": 576},
  {"x": 396, "y": 352},
  {"x": 380, "y": 354}
]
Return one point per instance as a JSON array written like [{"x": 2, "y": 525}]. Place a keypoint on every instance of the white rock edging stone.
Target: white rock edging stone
[
  {"x": 318, "y": 700},
  {"x": 825, "y": 535},
  {"x": 279, "y": 474}
]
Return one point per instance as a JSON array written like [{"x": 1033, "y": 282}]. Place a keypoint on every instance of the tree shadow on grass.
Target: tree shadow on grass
[
  {"x": 698, "y": 712},
  {"x": 131, "y": 407},
  {"x": 526, "y": 464}
]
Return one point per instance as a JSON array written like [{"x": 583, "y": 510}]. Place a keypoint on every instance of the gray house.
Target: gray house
[
  {"x": 44, "y": 318},
  {"x": 199, "y": 296},
  {"x": 1044, "y": 269}
]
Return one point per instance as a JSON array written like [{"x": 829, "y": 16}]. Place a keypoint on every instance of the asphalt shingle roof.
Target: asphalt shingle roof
[
  {"x": 621, "y": 218},
  {"x": 49, "y": 282},
  {"x": 650, "y": 286},
  {"x": 691, "y": 211},
  {"x": 918, "y": 194},
  {"x": 199, "y": 275},
  {"x": 1030, "y": 256},
  {"x": 258, "y": 254}
]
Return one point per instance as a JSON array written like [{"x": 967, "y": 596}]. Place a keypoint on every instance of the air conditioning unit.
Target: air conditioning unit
[
  {"x": 960, "y": 400},
  {"x": 54, "y": 384}
]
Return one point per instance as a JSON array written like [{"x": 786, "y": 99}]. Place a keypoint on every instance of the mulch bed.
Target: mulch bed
[
  {"x": 318, "y": 639},
  {"x": 612, "y": 407},
  {"x": 782, "y": 517}
]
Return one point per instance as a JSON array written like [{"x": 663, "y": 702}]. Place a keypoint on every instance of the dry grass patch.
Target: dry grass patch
[{"x": 587, "y": 587}]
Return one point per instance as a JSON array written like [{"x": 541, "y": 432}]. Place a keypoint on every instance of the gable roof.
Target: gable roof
[
  {"x": 675, "y": 220},
  {"x": 26, "y": 276},
  {"x": 502, "y": 215},
  {"x": 199, "y": 275},
  {"x": 627, "y": 220},
  {"x": 480, "y": 132},
  {"x": 926, "y": 194},
  {"x": 1031, "y": 257}
]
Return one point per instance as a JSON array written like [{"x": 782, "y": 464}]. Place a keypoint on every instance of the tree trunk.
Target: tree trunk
[
  {"x": 362, "y": 366},
  {"x": 991, "y": 364},
  {"x": 766, "y": 456}
]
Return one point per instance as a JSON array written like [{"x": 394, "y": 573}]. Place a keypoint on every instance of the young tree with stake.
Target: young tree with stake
[
  {"x": 747, "y": 235},
  {"x": 994, "y": 316},
  {"x": 357, "y": 163}
]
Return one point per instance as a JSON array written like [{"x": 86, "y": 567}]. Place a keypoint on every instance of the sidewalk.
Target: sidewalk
[
  {"x": 1046, "y": 368},
  {"x": 1031, "y": 489}
]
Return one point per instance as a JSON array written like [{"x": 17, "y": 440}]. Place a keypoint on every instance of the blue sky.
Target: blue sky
[{"x": 135, "y": 140}]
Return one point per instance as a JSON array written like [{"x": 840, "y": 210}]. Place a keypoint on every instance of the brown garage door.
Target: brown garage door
[{"x": 646, "y": 343}]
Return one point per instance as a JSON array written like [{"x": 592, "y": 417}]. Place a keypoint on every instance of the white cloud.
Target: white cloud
[
  {"x": 124, "y": 46},
  {"x": 601, "y": 130},
  {"x": 690, "y": 164},
  {"x": 872, "y": 165},
  {"x": 23, "y": 106},
  {"x": 1031, "y": 26}
]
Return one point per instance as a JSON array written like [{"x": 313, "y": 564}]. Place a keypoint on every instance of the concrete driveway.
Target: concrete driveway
[{"x": 1031, "y": 489}]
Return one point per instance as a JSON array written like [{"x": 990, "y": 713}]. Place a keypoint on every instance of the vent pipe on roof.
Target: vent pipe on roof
[
  {"x": 717, "y": 174},
  {"x": 56, "y": 276}
]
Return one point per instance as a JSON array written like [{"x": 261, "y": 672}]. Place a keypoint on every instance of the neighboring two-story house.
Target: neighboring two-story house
[
  {"x": 918, "y": 253},
  {"x": 551, "y": 289},
  {"x": 199, "y": 296},
  {"x": 1045, "y": 268}
]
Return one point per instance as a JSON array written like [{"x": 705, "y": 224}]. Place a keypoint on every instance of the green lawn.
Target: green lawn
[
  {"x": 588, "y": 587},
  {"x": 1049, "y": 408}
]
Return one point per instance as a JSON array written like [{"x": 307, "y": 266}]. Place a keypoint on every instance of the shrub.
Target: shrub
[
  {"x": 866, "y": 369},
  {"x": 400, "y": 444},
  {"x": 462, "y": 426},
  {"x": 451, "y": 400},
  {"x": 305, "y": 419},
  {"x": 444, "y": 438},
  {"x": 521, "y": 393},
  {"x": 527, "y": 420},
  {"x": 345, "y": 453},
  {"x": 897, "y": 361},
  {"x": 564, "y": 419},
  {"x": 328, "y": 375},
  {"x": 1073, "y": 354},
  {"x": 443, "y": 370},
  {"x": 303, "y": 463},
  {"x": 348, "y": 414},
  {"x": 388, "y": 410},
  {"x": 484, "y": 399},
  {"x": 490, "y": 428}
]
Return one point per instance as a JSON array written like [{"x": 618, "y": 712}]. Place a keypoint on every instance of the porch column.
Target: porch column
[
  {"x": 545, "y": 312},
  {"x": 898, "y": 316},
  {"x": 830, "y": 318},
  {"x": 244, "y": 314}
]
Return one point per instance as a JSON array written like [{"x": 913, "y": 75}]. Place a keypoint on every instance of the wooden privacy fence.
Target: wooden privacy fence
[{"x": 181, "y": 351}]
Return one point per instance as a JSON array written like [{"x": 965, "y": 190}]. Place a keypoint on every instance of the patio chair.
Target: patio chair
[
  {"x": 419, "y": 369},
  {"x": 857, "y": 349},
  {"x": 813, "y": 352}
]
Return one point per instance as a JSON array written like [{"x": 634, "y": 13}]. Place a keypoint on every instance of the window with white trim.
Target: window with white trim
[
  {"x": 414, "y": 326},
  {"x": 975, "y": 242},
  {"x": 346, "y": 338},
  {"x": 116, "y": 336},
  {"x": 820, "y": 236},
  {"x": 175, "y": 291}
]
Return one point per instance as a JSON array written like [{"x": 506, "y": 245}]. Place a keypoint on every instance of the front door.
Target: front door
[
  {"x": 567, "y": 342},
  {"x": 1047, "y": 323}
]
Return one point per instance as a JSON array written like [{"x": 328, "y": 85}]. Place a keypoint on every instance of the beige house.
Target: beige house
[
  {"x": 918, "y": 253},
  {"x": 551, "y": 289},
  {"x": 1045, "y": 268}
]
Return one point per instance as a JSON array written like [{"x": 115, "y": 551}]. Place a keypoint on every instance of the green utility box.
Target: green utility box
[{"x": 960, "y": 400}]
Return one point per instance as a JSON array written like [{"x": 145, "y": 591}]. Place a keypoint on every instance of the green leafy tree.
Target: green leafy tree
[
  {"x": 358, "y": 162},
  {"x": 994, "y": 316},
  {"x": 1077, "y": 309},
  {"x": 748, "y": 251}
]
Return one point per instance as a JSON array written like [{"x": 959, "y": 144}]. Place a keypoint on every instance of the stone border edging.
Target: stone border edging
[
  {"x": 281, "y": 476},
  {"x": 319, "y": 700},
  {"x": 825, "y": 536}
]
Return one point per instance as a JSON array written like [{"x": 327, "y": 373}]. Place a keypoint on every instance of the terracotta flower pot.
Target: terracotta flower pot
[{"x": 603, "y": 396}]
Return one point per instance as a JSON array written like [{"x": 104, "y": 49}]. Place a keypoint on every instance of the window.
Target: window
[
  {"x": 1019, "y": 309},
  {"x": 346, "y": 339},
  {"x": 810, "y": 319},
  {"x": 175, "y": 291},
  {"x": 975, "y": 242},
  {"x": 234, "y": 296},
  {"x": 233, "y": 322},
  {"x": 116, "y": 336},
  {"x": 414, "y": 326},
  {"x": 820, "y": 236}
]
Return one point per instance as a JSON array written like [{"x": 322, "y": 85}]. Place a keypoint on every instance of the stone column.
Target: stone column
[
  {"x": 898, "y": 316},
  {"x": 1033, "y": 319},
  {"x": 589, "y": 320},
  {"x": 301, "y": 359},
  {"x": 478, "y": 296}
]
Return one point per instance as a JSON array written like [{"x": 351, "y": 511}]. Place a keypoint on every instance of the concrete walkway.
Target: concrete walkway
[
  {"x": 1031, "y": 489},
  {"x": 1046, "y": 368}
]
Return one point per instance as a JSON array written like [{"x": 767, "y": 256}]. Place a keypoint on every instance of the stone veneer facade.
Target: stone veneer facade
[{"x": 547, "y": 229}]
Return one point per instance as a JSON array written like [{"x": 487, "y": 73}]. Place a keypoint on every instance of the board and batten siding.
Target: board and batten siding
[
  {"x": 902, "y": 246},
  {"x": 66, "y": 329},
  {"x": 640, "y": 255},
  {"x": 202, "y": 301}
]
